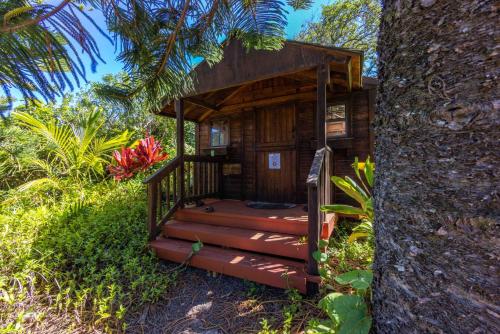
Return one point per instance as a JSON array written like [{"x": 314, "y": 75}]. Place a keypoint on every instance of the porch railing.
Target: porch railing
[
  {"x": 318, "y": 194},
  {"x": 185, "y": 178}
]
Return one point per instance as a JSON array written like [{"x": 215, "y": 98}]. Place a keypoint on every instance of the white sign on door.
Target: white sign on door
[{"x": 274, "y": 161}]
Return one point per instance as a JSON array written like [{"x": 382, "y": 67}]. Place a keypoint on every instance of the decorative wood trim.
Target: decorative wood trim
[
  {"x": 306, "y": 96},
  {"x": 233, "y": 94},
  {"x": 205, "y": 115},
  {"x": 201, "y": 103}
]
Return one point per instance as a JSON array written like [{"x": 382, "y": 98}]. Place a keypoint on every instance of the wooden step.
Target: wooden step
[
  {"x": 269, "y": 270},
  {"x": 251, "y": 240},
  {"x": 271, "y": 223}
]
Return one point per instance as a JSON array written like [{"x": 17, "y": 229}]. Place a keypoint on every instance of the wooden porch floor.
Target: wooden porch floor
[
  {"x": 255, "y": 244},
  {"x": 239, "y": 208}
]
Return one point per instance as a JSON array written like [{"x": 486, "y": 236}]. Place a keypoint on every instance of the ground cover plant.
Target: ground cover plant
[
  {"x": 89, "y": 261},
  {"x": 73, "y": 246}
]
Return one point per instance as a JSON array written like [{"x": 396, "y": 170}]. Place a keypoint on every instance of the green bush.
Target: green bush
[{"x": 85, "y": 254}]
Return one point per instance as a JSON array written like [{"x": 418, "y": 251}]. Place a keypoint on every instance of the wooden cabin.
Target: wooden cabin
[{"x": 271, "y": 128}]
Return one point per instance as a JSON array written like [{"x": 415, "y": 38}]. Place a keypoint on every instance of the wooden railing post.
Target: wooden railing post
[
  {"x": 220, "y": 179},
  {"x": 152, "y": 209},
  {"x": 318, "y": 194},
  {"x": 179, "y": 110},
  {"x": 313, "y": 236}
]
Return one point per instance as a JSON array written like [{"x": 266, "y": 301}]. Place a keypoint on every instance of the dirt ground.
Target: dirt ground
[{"x": 207, "y": 303}]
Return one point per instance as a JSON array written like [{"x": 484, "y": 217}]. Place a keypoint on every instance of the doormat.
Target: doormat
[{"x": 267, "y": 205}]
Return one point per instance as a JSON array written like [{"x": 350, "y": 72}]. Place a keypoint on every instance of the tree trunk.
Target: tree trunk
[{"x": 437, "y": 154}]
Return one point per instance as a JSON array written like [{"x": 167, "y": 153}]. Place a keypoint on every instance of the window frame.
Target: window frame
[
  {"x": 225, "y": 123},
  {"x": 347, "y": 120}
]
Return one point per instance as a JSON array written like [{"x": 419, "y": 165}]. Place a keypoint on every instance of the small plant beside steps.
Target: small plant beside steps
[{"x": 349, "y": 313}]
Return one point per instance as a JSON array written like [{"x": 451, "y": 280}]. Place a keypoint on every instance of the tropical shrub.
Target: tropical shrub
[
  {"x": 75, "y": 151},
  {"x": 344, "y": 269},
  {"x": 84, "y": 256},
  {"x": 130, "y": 161},
  {"x": 347, "y": 313},
  {"x": 17, "y": 148},
  {"x": 361, "y": 194}
]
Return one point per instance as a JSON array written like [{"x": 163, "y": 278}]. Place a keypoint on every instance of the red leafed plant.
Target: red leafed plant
[
  {"x": 149, "y": 152},
  {"x": 130, "y": 161}
]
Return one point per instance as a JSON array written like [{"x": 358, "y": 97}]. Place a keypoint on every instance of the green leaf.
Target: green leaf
[
  {"x": 344, "y": 209},
  {"x": 355, "y": 166},
  {"x": 320, "y": 257},
  {"x": 196, "y": 247},
  {"x": 359, "y": 279},
  {"x": 322, "y": 243},
  {"x": 357, "y": 188},
  {"x": 357, "y": 235},
  {"x": 16, "y": 12},
  {"x": 369, "y": 171},
  {"x": 358, "y": 327},
  {"x": 321, "y": 327},
  {"x": 347, "y": 187},
  {"x": 344, "y": 310}
]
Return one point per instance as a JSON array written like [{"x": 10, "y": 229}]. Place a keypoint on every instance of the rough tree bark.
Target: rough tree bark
[{"x": 437, "y": 154}]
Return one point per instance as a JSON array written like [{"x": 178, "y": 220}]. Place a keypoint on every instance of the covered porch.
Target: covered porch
[{"x": 261, "y": 135}]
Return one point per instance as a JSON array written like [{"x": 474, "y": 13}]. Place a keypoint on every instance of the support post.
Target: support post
[
  {"x": 152, "y": 209},
  {"x": 220, "y": 179},
  {"x": 179, "y": 112},
  {"x": 323, "y": 79},
  {"x": 313, "y": 235}
]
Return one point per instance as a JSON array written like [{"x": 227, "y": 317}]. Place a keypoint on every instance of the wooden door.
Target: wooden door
[{"x": 276, "y": 153}]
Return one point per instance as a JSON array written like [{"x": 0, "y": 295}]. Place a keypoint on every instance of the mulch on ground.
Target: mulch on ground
[{"x": 208, "y": 303}]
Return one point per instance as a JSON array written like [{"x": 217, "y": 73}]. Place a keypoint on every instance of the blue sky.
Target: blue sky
[{"x": 295, "y": 21}]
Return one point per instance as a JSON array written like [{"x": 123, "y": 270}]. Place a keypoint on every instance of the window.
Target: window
[
  {"x": 219, "y": 133},
  {"x": 336, "y": 120}
]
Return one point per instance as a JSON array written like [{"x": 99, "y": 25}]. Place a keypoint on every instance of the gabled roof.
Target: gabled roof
[{"x": 240, "y": 68}]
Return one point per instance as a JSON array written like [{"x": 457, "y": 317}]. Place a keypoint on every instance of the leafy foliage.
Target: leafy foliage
[
  {"x": 348, "y": 24},
  {"x": 347, "y": 312},
  {"x": 39, "y": 48},
  {"x": 359, "y": 279},
  {"x": 129, "y": 161},
  {"x": 158, "y": 42},
  {"x": 360, "y": 194},
  {"x": 88, "y": 260},
  {"x": 75, "y": 150}
]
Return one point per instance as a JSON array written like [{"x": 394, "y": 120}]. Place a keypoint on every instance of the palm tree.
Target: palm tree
[
  {"x": 436, "y": 149},
  {"x": 76, "y": 152}
]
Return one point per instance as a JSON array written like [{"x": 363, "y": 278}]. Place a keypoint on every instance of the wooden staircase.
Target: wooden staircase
[
  {"x": 264, "y": 246},
  {"x": 272, "y": 247}
]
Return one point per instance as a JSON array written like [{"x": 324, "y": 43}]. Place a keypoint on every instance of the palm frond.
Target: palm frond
[
  {"x": 160, "y": 40},
  {"x": 38, "y": 48},
  {"x": 61, "y": 136},
  {"x": 38, "y": 183}
]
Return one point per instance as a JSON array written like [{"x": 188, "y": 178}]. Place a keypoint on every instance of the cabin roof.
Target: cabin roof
[{"x": 214, "y": 86}]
